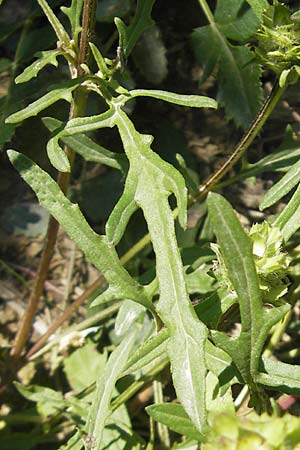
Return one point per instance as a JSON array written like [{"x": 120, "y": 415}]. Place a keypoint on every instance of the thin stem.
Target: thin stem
[
  {"x": 63, "y": 179},
  {"x": 207, "y": 11},
  {"x": 83, "y": 297},
  {"x": 247, "y": 139}
]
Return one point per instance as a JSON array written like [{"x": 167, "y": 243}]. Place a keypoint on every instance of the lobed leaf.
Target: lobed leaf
[
  {"x": 96, "y": 248},
  {"x": 88, "y": 149},
  {"x": 150, "y": 181},
  {"x": 174, "y": 417},
  {"x": 235, "y": 20},
  {"x": 62, "y": 93},
  {"x": 45, "y": 58},
  {"x": 99, "y": 60},
  {"x": 75, "y": 442},
  {"x": 100, "y": 410},
  {"x": 127, "y": 315},
  {"x": 73, "y": 12},
  {"x": 282, "y": 187},
  {"x": 142, "y": 20},
  {"x": 237, "y": 70},
  {"x": 236, "y": 249}
]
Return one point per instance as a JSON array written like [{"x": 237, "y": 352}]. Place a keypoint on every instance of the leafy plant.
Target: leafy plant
[{"x": 173, "y": 318}]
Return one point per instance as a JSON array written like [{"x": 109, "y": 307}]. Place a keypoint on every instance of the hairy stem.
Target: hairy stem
[{"x": 63, "y": 179}]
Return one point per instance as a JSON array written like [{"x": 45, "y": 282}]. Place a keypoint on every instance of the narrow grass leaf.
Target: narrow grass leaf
[
  {"x": 174, "y": 417},
  {"x": 100, "y": 410}
]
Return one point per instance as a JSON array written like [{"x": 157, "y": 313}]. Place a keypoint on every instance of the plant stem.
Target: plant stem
[
  {"x": 63, "y": 179},
  {"x": 247, "y": 139},
  {"x": 83, "y": 297},
  {"x": 207, "y": 11}
]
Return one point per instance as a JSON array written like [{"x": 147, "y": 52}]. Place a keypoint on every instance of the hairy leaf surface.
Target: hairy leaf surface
[
  {"x": 96, "y": 248},
  {"x": 46, "y": 57},
  {"x": 236, "y": 249},
  {"x": 100, "y": 410}
]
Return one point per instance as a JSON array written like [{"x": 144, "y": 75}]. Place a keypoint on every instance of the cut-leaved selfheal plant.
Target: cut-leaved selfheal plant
[{"x": 174, "y": 321}]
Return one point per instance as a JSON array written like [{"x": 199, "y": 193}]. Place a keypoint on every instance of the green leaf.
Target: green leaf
[
  {"x": 73, "y": 12},
  {"x": 192, "y": 101},
  {"x": 46, "y": 57},
  {"x": 288, "y": 220},
  {"x": 83, "y": 366},
  {"x": 282, "y": 187},
  {"x": 100, "y": 409},
  {"x": 153, "y": 348},
  {"x": 236, "y": 249},
  {"x": 99, "y": 60},
  {"x": 279, "y": 375},
  {"x": 58, "y": 157},
  {"x": 107, "y": 10},
  {"x": 96, "y": 248},
  {"x": 127, "y": 315},
  {"x": 220, "y": 364},
  {"x": 258, "y": 6},
  {"x": 142, "y": 20},
  {"x": 235, "y": 20},
  {"x": 57, "y": 26},
  {"x": 174, "y": 417},
  {"x": 88, "y": 149},
  {"x": 149, "y": 56},
  {"x": 150, "y": 181},
  {"x": 75, "y": 442},
  {"x": 49, "y": 401},
  {"x": 62, "y": 93},
  {"x": 238, "y": 72}
]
